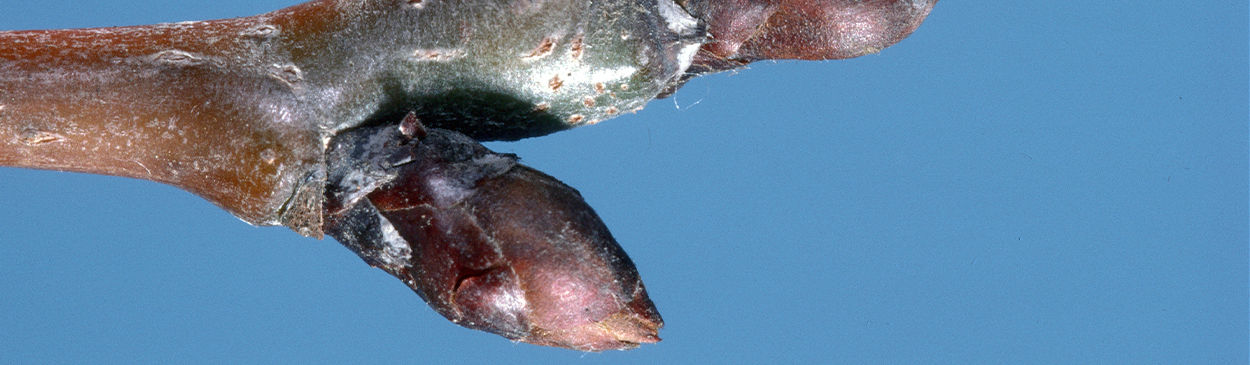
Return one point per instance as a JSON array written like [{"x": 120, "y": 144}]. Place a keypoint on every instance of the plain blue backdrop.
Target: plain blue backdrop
[{"x": 1017, "y": 182}]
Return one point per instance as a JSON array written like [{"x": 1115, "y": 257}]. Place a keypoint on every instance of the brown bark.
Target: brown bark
[{"x": 205, "y": 106}]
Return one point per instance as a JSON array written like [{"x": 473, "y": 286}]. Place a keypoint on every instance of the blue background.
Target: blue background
[{"x": 1017, "y": 182}]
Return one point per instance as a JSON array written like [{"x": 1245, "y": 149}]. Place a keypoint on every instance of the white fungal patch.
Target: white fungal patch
[
  {"x": 581, "y": 76},
  {"x": 677, "y": 19},
  {"x": 686, "y": 56},
  {"x": 680, "y": 22},
  {"x": 34, "y": 137},
  {"x": 446, "y": 192},
  {"x": 263, "y": 31},
  {"x": 290, "y": 75},
  {"x": 526, "y": 7},
  {"x": 176, "y": 58},
  {"x": 269, "y": 156},
  {"x": 510, "y": 302},
  {"x": 395, "y": 252}
]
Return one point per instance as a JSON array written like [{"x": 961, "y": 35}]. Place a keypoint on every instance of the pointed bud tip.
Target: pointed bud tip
[{"x": 624, "y": 330}]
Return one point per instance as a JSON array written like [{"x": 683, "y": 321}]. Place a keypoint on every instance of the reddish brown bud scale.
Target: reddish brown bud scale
[
  {"x": 490, "y": 244},
  {"x": 584, "y": 292},
  {"x": 745, "y": 31}
]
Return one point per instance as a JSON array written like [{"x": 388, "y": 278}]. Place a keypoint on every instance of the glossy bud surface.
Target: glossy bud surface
[{"x": 488, "y": 243}]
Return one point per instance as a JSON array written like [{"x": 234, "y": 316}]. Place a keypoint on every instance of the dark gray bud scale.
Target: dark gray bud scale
[
  {"x": 488, "y": 243},
  {"x": 510, "y": 69}
]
